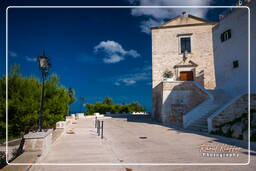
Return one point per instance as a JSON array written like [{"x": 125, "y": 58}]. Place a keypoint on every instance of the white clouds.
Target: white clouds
[
  {"x": 114, "y": 52},
  {"x": 131, "y": 79},
  {"x": 158, "y": 15},
  {"x": 147, "y": 24},
  {"x": 113, "y": 59},
  {"x": 133, "y": 53},
  {"x": 13, "y": 54},
  {"x": 31, "y": 59}
]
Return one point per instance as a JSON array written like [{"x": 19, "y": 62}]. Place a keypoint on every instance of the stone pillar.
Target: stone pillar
[
  {"x": 38, "y": 142},
  {"x": 73, "y": 116}
]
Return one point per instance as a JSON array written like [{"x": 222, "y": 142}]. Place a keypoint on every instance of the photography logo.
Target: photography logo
[{"x": 219, "y": 150}]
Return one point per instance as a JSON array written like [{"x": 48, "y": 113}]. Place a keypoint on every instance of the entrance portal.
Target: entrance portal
[{"x": 186, "y": 76}]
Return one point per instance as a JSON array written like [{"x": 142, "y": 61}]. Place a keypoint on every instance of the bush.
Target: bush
[
  {"x": 107, "y": 105},
  {"x": 24, "y": 95}
]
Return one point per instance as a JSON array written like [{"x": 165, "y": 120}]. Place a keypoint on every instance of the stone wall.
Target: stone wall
[
  {"x": 234, "y": 110},
  {"x": 234, "y": 80},
  {"x": 175, "y": 99},
  {"x": 157, "y": 99},
  {"x": 165, "y": 53}
]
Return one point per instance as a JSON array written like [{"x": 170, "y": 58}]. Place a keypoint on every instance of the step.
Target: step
[
  {"x": 199, "y": 123},
  {"x": 198, "y": 128}
]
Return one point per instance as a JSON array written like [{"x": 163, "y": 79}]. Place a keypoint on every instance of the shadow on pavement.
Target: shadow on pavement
[{"x": 221, "y": 139}]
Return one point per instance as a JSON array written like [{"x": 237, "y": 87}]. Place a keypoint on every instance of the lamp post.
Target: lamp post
[{"x": 44, "y": 67}]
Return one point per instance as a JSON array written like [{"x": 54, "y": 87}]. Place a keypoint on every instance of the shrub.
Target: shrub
[
  {"x": 107, "y": 105},
  {"x": 168, "y": 74},
  {"x": 24, "y": 95}
]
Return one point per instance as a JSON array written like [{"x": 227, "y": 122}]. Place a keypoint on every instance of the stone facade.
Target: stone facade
[
  {"x": 166, "y": 50},
  {"x": 167, "y": 55},
  {"x": 175, "y": 99},
  {"x": 233, "y": 49},
  {"x": 234, "y": 110}
]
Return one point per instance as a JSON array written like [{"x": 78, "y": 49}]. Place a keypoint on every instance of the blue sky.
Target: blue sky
[{"x": 98, "y": 52}]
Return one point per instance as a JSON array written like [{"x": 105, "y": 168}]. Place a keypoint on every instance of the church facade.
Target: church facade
[
  {"x": 200, "y": 69},
  {"x": 182, "y": 47}
]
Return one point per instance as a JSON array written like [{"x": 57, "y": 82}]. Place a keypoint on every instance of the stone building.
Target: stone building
[
  {"x": 182, "y": 46},
  {"x": 209, "y": 66},
  {"x": 231, "y": 59}
]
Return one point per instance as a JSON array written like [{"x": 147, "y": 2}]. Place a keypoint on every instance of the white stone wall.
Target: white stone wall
[
  {"x": 235, "y": 80},
  {"x": 252, "y": 7},
  {"x": 165, "y": 52}
]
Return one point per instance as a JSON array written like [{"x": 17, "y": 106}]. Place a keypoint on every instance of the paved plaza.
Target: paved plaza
[{"x": 138, "y": 142}]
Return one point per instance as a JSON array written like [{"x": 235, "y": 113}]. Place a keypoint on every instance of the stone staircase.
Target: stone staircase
[{"x": 207, "y": 108}]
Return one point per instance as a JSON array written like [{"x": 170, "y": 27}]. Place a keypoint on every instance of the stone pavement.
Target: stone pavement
[{"x": 122, "y": 144}]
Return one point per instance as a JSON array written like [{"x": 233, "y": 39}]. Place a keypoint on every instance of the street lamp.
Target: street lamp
[{"x": 44, "y": 67}]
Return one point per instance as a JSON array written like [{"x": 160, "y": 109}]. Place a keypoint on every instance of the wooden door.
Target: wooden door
[{"x": 186, "y": 76}]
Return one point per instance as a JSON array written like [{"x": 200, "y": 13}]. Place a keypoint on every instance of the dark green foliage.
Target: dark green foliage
[
  {"x": 2, "y": 159},
  {"x": 24, "y": 103},
  {"x": 107, "y": 105},
  {"x": 71, "y": 93},
  {"x": 107, "y": 100}
]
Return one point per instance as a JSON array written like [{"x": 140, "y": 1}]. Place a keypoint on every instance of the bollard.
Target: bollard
[
  {"x": 98, "y": 128},
  {"x": 101, "y": 129},
  {"x": 96, "y": 122}
]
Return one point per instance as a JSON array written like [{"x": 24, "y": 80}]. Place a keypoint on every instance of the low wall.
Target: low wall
[
  {"x": 37, "y": 145},
  {"x": 157, "y": 99},
  {"x": 13, "y": 146},
  {"x": 38, "y": 142},
  {"x": 231, "y": 110},
  {"x": 174, "y": 99}
]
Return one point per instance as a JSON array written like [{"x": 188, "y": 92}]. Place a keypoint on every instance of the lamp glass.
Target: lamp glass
[{"x": 43, "y": 62}]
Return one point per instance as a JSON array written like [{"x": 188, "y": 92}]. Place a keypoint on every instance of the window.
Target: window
[
  {"x": 185, "y": 44},
  {"x": 235, "y": 64},
  {"x": 225, "y": 35}
]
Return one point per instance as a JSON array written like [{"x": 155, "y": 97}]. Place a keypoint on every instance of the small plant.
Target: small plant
[{"x": 168, "y": 74}]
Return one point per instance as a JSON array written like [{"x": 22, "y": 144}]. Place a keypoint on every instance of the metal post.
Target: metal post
[
  {"x": 96, "y": 122},
  {"x": 101, "y": 129},
  {"x": 98, "y": 127},
  {"x": 42, "y": 105}
]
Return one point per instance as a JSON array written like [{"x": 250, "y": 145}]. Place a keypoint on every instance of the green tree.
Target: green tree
[
  {"x": 107, "y": 100},
  {"x": 107, "y": 105},
  {"x": 71, "y": 93},
  {"x": 136, "y": 107},
  {"x": 24, "y": 103}
]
